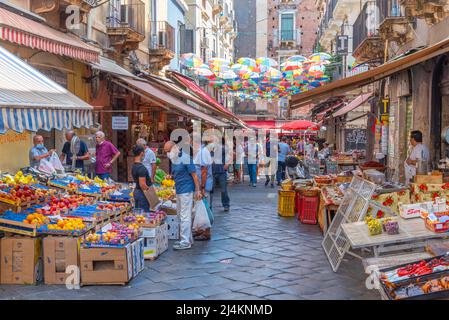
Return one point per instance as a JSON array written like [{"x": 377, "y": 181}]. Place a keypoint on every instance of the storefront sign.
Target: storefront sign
[
  {"x": 342, "y": 45},
  {"x": 120, "y": 123}
]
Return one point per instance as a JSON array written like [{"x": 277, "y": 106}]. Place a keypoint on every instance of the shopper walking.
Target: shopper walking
[
  {"x": 83, "y": 153},
  {"x": 252, "y": 159},
  {"x": 187, "y": 189},
  {"x": 141, "y": 178},
  {"x": 149, "y": 159},
  {"x": 203, "y": 165},
  {"x": 106, "y": 154},
  {"x": 283, "y": 151},
  {"x": 270, "y": 176},
  {"x": 220, "y": 173},
  {"x": 38, "y": 151}
]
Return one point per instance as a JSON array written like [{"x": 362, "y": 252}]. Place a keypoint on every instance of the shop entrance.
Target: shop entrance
[{"x": 439, "y": 115}]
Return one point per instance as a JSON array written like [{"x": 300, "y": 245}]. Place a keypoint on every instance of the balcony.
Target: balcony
[
  {"x": 228, "y": 27},
  {"x": 393, "y": 25},
  {"x": 432, "y": 11},
  {"x": 367, "y": 43},
  {"x": 50, "y": 6},
  {"x": 223, "y": 19},
  {"x": 218, "y": 7},
  {"x": 287, "y": 4},
  {"x": 287, "y": 40},
  {"x": 161, "y": 44},
  {"x": 126, "y": 24}
]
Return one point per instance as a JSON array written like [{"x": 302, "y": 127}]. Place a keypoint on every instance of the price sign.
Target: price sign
[{"x": 120, "y": 123}]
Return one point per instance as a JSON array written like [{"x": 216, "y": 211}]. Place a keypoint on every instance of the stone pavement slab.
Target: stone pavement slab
[{"x": 270, "y": 257}]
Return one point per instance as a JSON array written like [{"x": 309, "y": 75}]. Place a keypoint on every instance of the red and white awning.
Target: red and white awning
[{"x": 26, "y": 32}]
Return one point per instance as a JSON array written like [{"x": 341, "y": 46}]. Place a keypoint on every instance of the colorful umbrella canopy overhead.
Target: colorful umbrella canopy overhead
[
  {"x": 250, "y": 79},
  {"x": 191, "y": 60}
]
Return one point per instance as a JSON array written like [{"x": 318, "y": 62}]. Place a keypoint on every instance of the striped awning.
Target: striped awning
[
  {"x": 26, "y": 32},
  {"x": 31, "y": 101}
]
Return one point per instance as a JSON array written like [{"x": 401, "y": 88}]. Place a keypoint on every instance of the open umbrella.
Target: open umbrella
[
  {"x": 297, "y": 58},
  {"x": 268, "y": 62},
  {"x": 320, "y": 56},
  {"x": 190, "y": 60},
  {"x": 205, "y": 73},
  {"x": 247, "y": 62},
  {"x": 300, "y": 125},
  {"x": 291, "y": 65}
]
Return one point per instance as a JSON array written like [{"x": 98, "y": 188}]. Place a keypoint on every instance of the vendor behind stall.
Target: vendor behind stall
[
  {"x": 38, "y": 152},
  {"x": 142, "y": 179},
  {"x": 83, "y": 153},
  {"x": 418, "y": 152}
]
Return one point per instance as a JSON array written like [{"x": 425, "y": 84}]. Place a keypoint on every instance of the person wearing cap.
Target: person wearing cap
[
  {"x": 203, "y": 164},
  {"x": 141, "y": 178}
]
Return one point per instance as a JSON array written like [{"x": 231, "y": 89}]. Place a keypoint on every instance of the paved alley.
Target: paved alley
[{"x": 254, "y": 254}]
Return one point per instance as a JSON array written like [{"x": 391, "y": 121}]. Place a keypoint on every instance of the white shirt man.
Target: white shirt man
[
  {"x": 418, "y": 152},
  {"x": 149, "y": 159}
]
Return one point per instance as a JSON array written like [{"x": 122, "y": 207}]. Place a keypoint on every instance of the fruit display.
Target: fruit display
[
  {"x": 159, "y": 176},
  {"x": 36, "y": 219},
  {"x": 68, "y": 224},
  {"x": 168, "y": 183},
  {"x": 390, "y": 226},
  {"x": 166, "y": 194},
  {"x": 374, "y": 226},
  {"x": 111, "y": 206},
  {"x": 18, "y": 178},
  {"x": 63, "y": 205},
  {"x": 117, "y": 235},
  {"x": 22, "y": 194}
]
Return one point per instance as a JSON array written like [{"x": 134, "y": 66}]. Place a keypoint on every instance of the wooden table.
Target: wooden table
[
  {"x": 324, "y": 212},
  {"x": 412, "y": 234}
]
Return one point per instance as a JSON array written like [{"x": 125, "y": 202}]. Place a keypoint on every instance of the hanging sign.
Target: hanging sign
[{"x": 120, "y": 123}]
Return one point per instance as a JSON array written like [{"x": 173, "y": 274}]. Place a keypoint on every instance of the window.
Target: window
[{"x": 287, "y": 26}]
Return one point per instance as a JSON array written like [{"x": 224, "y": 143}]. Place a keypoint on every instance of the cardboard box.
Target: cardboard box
[
  {"x": 21, "y": 260},
  {"x": 173, "y": 224},
  {"x": 138, "y": 257},
  {"x": 59, "y": 253},
  {"x": 106, "y": 265},
  {"x": 155, "y": 246},
  {"x": 431, "y": 179}
]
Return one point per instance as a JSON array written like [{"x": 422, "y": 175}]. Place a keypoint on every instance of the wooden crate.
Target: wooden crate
[
  {"x": 430, "y": 179},
  {"x": 18, "y": 227}
]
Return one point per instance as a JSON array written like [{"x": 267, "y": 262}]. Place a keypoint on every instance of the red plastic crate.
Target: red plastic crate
[{"x": 308, "y": 209}]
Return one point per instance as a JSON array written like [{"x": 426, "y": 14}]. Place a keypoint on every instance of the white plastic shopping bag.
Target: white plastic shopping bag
[
  {"x": 201, "y": 223},
  {"x": 55, "y": 162},
  {"x": 46, "y": 166}
]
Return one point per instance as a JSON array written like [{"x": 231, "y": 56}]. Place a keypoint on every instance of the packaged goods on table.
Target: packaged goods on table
[
  {"x": 416, "y": 279},
  {"x": 332, "y": 195},
  {"x": 388, "y": 225}
]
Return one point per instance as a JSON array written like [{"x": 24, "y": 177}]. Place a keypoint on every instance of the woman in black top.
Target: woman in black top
[{"x": 141, "y": 178}]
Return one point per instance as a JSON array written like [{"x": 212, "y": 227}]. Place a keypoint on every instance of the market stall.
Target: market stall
[{"x": 62, "y": 220}]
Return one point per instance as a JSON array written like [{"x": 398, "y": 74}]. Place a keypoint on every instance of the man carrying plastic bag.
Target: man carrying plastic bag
[{"x": 201, "y": 223}]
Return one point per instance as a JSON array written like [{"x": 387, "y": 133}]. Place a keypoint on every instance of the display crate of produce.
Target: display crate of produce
[
  {"x": 64, "y": 184},
  {"x": 286, "y": 203},
  {"x": 44, "y": 230},
  {"x": 14, "y": 223}
]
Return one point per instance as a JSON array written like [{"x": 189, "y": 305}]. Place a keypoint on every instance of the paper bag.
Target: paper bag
[{"x": 152, "y": 198}]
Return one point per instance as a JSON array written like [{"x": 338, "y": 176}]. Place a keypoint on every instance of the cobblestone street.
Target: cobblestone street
[{"x": 254, "y": 254}]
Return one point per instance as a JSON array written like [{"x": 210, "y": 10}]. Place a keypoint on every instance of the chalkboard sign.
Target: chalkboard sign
[{"x": 355, "y": 139}]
